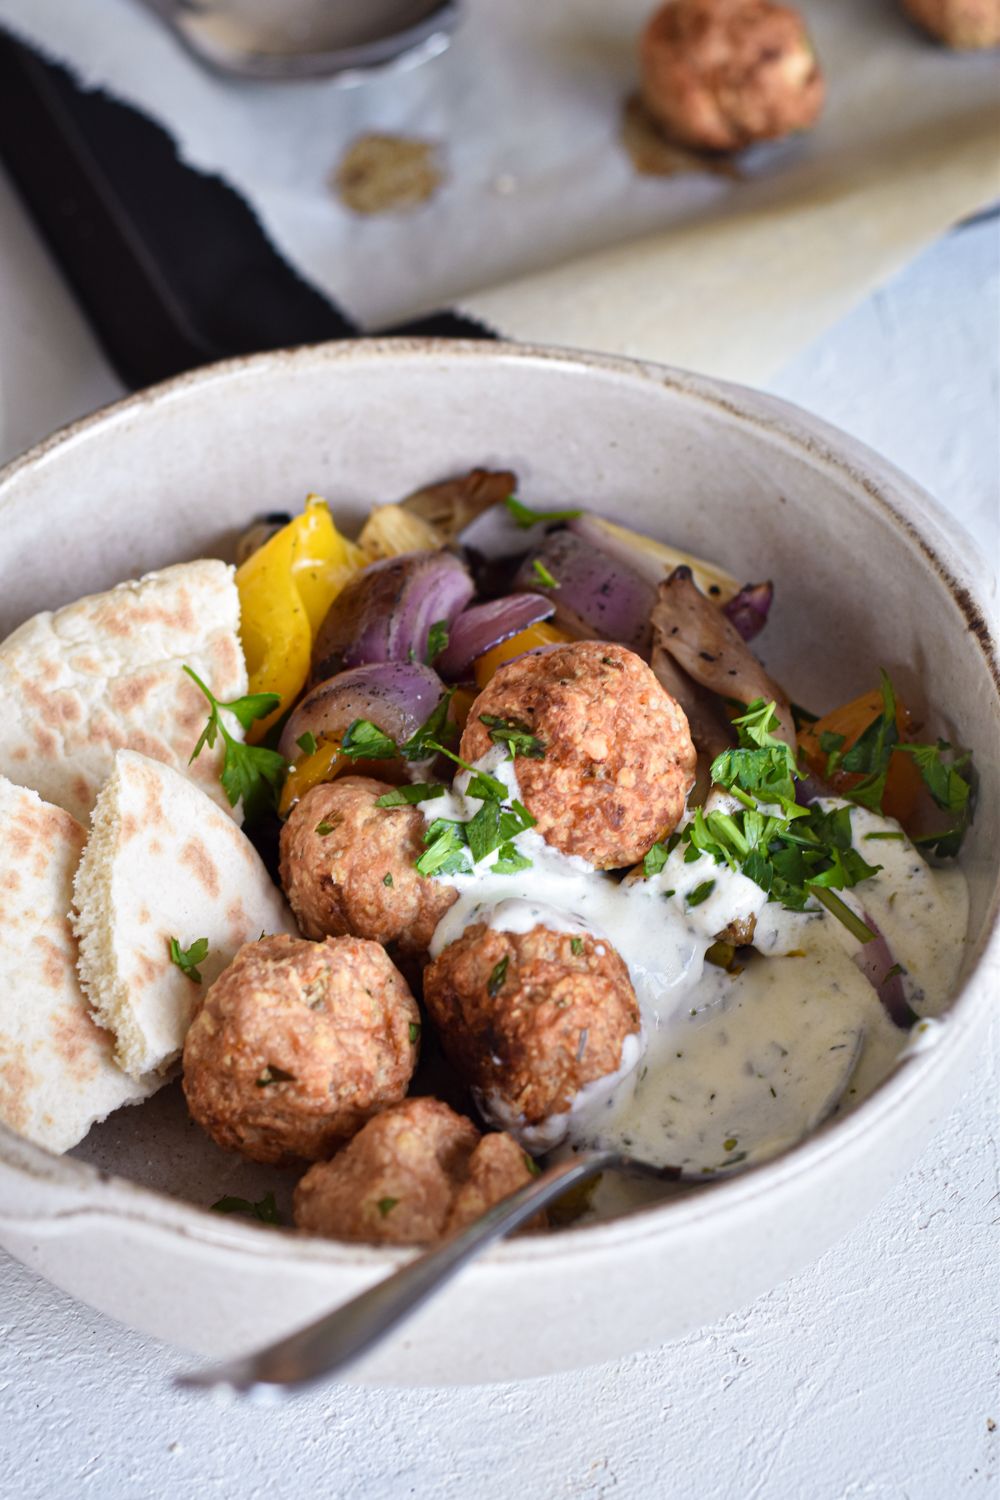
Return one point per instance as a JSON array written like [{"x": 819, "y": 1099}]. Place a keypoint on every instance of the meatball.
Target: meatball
[
  {"x": 297, "y": 1044},
  {"x": 720, "y": 74},
  {"x": 959, "y": 23},
  {"x": 616, "y": 759},
  {"x": 347, "y": 866},
  {"x": 529, "y": 1019},
  {"x": 411, "y": 1175}
]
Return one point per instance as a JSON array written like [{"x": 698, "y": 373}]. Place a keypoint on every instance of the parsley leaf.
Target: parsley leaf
[
  {"x": 510, "y": 860},
  {"x": 445, "y": 852},
  {"x": 940, "y": 766},
  {"x": 526, "y": 517},
  {"x": 543, "y": 575},
  {"x": 497, "y": 977},
  {"x": 424, "y": 741},
  {"x": 437, "y": 640},
  {"x": 266, "y": 1210},
  {"x": 363, "y": 740},
  {"x": 831, "y": 745},
  {"x": 188, "y": 959},
  {"x": 700, "y": 893},
  {"x": 386, "y": 1205},
  {"x": 406, "y": 796},
  {"x": 516, "y": 735},
  {"x": 387, "y": 880},
  {"x": 248, "y": 771},
  {"x": 307, "y": 743},
  {"x": 482, "y": 785},
  {"x": 763, "y": 768}
]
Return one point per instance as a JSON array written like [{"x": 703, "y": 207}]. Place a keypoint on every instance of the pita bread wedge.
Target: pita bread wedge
[
  {"x": 105, "y": 673},
  {"x": 162, "y": 861},
  {"x": 57, "y": 1072}
]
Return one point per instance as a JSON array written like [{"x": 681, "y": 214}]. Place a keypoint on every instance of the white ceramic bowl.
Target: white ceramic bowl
[{"x": 868, "y": 572}]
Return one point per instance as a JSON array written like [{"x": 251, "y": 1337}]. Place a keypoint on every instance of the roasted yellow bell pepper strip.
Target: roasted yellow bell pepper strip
[
  {"x": 324, "y": 764},
  {"x": 285, "y": 591},
  {"x": 542, "y": 634}
]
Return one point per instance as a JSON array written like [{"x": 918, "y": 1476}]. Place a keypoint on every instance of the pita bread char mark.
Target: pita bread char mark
[
  {"x": 57, "y": 1073},
  {"x": 104, "y": 674},
  {"x": 163, "y": 861}
]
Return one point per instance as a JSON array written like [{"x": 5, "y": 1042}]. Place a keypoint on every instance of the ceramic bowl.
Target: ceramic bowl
[{"x": 867, "y": 570}]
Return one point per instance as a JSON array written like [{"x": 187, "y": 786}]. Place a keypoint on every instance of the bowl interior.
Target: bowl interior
[{"x": 865, "y": 569}]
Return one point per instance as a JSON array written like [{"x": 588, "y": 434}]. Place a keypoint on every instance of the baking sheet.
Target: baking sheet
[{"x": 542, "y": 226}]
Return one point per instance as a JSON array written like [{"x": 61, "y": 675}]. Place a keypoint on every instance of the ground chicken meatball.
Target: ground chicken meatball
[
  {"x": 720, "y": 74},
  {"x": 297, "y": 1044},
  {"x": 529, "y": 1019},
  {"x": 413, "y": 1174},
  {"x": 959, "y": 23},
  {"x": 618, "y": 759},
  {"x": 347, "y": 866}
]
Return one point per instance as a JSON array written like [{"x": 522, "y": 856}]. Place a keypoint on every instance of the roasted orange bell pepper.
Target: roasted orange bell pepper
[
  {"x": 286, "y": 588},
  {"x": 903, "y": 783},
  {"x": 542, "y": 634}
]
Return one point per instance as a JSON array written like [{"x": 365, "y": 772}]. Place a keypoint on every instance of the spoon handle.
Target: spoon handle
[{"x": 323, "y": 1348}]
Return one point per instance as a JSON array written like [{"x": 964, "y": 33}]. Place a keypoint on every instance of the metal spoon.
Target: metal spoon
[
  {"x": 286, "y": 40},
  {"x": 324, "y": 1348}
]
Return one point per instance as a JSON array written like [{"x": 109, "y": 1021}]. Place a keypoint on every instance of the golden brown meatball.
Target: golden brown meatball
[
  {"x": 297, "y": 1044},
  {"x": 411, "y": 1175},
  {"x": 959, "y": 23},
  {"x": 529, "y": 1019},
  {"x": 720, "y": 74},
  {"x": 618, "y": 759},
  {"x": 347, "y": 866}
]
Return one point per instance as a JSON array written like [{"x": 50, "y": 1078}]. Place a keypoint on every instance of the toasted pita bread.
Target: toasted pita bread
[
  {"x": 105, "y": 673},
  {"x": 57, "y": 1072},
  {"x": 162, "y": 861}
]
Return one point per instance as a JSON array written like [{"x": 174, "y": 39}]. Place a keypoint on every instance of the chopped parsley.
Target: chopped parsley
[
  {"x": 250, "y": 772},
  {"x": 274, "y": 1074},
  {"x": 385, "y": 1206},
  {"x": 576, "y": 946},
  {"x": 437, "y": 640},
  {"x": 324, "y": 828},
  {"x": 532, "y": 1165},
  {"x": 363, "y": 740},
  {"x": 516, "y": 735},
  {"x": 307, "y": 743},
  {"x": 188, "y": 959},
  {"x": 452, "y": 847},
  {"x": 497, "y": 976},
  {"x": 414, "y": 1033},
  {"x": 423, "y": 742},
  {"x": 265, "y": 1210},
  {"x": 406, "y": 796},
  {"x": 543, "y": 575},
  {"x": 831, "y": 745},
  {"x": 526, "y": 517},
  {"x": 658, "y": 856},
  {"x": 700, "y": 893},
  {"x": 387, "y": 879}
]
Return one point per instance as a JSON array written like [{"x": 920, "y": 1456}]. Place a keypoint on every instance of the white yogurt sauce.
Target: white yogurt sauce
[{"x": 730, "y": 1068}]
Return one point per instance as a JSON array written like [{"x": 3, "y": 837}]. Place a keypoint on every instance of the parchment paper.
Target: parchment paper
[{"x": 543, "y": 227}]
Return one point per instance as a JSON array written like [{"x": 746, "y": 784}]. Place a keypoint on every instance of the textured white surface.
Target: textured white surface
[{"x": 870, "y": 1375}]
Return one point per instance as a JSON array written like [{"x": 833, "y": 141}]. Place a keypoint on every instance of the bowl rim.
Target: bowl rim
[{"x": 909, "y": 510}]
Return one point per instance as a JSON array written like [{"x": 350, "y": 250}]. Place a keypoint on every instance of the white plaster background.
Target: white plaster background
[{"x": 871, "y": 1376}]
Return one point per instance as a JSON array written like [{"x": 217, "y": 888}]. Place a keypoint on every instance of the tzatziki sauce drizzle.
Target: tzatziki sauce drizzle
[{"x": 731, "y": 1067}]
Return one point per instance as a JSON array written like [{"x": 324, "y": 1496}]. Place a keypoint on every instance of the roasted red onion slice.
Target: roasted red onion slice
[
  {"x": 386, "y": 611},
  {"x": 748, "y": 610},
  {"x": 396, "y": 696},
  {"x": 485, "y": 625},
  {"x": 877, "y": 964},
  {"x": 596, "y": 596}
]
